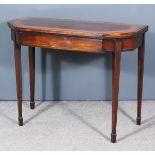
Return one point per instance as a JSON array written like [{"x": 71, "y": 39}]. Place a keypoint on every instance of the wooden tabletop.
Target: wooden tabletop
[{"x": 90, "y": 29}]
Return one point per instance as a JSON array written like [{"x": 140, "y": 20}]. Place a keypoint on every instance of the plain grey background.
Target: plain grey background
[{"x": 72, "y": 75}]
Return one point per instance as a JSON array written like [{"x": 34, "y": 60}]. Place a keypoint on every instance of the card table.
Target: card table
[{"x": 78, "y": 36}]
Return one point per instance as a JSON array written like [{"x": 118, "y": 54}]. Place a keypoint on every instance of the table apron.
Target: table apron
[{"x": 75, "y": 43}]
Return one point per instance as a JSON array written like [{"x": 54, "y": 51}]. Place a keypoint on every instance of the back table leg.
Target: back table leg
[
  {"x": 141, "y": 50},
  {"x": 32, "y": 76},
  {"x": 115, "y": 87},
  {"x": 17, "y": 53}
]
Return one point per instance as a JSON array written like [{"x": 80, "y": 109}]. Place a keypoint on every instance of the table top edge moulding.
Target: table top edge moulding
[
  {"x": 75, "y": 35},
  {"x": 90, "y": 29},
  {"x": 82, "y": 36}
]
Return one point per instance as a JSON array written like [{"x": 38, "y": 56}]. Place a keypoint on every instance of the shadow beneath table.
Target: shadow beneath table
[
  {"x": 141, "y": 128},
  {"x": 8, "y": 117},
  {"x": 145, "y": 123},
  {"x": 40, "y": 111},
  {"x": 82, "y": 120},
  {"x": 126, "y": 114},
  {"x": 15, "y": 121},
  {"x": 37, "y": 104},
  {"x": 148, "y": 120}
]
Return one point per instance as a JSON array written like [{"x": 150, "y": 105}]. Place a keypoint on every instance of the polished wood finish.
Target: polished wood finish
[
  {"x": 32, "y": 75},
  {"x": 76, "y": 35},
  {"x": 60, "y": 42},
  {"x": 88, "y": 29},
  {"x": 17, "y": 51},
  {"x": 81, "y": 36},
  {"x": 141, "y": 50},
  {"x": 116, "y": 63}
]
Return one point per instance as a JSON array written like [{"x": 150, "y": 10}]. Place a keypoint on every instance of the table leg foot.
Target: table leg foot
[
  {"x": 138, "y": 120},
  {"x": 20, "y": 121},
  {"x": 32, "y": 105},
  {"x": 113, "y": 138}
]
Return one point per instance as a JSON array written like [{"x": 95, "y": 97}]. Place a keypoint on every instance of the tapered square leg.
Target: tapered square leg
[
  {"x": 115, "y": 86},
  {"x": 141, "y": 51},
  {"x": 32, "y": 76},
  {"x": 17, "y": 53}
]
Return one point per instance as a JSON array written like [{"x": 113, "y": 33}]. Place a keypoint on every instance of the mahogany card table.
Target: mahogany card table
[{"x": 78, "y": 36}]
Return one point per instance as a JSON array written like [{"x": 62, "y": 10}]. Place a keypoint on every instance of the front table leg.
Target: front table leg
[
  {"x": 32, "y": 75},
  {"x": 141, "y": 50},
  {"x": 17, "y": 53},
  {"x": 116, "y": 63}
]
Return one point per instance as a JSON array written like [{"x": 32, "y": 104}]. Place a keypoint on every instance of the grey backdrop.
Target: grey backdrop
[{"x": 75, "y": 76}]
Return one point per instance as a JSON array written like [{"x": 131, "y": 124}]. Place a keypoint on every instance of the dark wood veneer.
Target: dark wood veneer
[
  {"x": 90, "y": 29},
  {"x": 83, "y": 36}
]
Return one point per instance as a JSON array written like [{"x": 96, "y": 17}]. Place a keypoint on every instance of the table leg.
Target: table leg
[
  {"x": 17, "y": 53},
  {"x": 115, "y": 87},
  {"x": 32, "y": 75},
  {"x": 141, "y": 50}
]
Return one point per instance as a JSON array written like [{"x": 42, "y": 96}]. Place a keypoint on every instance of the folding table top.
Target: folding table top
[{"x": 90, "y": 29}]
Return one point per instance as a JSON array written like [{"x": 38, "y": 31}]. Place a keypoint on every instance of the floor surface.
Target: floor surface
[{"x": 76, "y": 125}]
